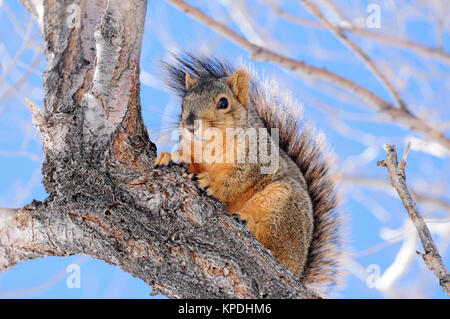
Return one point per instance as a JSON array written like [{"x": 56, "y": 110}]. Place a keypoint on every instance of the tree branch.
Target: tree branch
[
  {"x": 425, "y": 51},
  {"x": 361, "y": 54},
  {"x": 106, "y": 200},
  {"x": 181, "y": 243},
  {"x": 382, "y": 185},
  {"x": 397, "y": 115},
  {"x": 36, "y": 9},
  {"x": 431, "y": 257}
]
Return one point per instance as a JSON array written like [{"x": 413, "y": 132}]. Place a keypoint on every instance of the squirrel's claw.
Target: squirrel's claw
[
  {"x": 204, "y": 183},
  {"x": 237, "y": 217},
  {"x": 248, "y": 220},
  {"x": 177, "y": 158},
  {"x": 163, "y": 159},
  {"x": 188, "y": 175},
  {"x": 202, "y": 180}
]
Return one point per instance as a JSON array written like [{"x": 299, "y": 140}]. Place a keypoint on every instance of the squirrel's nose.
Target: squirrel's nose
[
  {"x": 190, "y": 119},
  {"x": 191, "y": 129}
]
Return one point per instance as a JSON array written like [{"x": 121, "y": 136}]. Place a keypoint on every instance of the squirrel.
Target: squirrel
[{"x": 290, "y": 210}]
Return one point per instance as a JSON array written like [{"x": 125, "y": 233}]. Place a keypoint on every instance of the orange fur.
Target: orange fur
[{"x": 257, "y": 207}]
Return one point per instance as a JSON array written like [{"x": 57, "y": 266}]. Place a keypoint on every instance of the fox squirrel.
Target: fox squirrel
[{"x": 290, "y": 210}]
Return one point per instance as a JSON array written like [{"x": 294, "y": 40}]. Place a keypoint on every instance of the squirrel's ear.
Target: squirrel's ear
[
  {"x": 239, "y": 83},
  {"x": 188, "y": 81}
]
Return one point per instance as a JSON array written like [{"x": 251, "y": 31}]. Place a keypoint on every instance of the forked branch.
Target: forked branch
[
  {"x": 431, "y": 257},
  {"x": 397, "y": 115}
]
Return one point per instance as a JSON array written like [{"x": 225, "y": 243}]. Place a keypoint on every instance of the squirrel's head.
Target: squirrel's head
[{"x": 215, "y": 102}]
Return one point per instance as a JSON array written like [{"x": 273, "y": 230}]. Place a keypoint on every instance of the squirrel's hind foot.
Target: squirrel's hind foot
[{"x": 237, "y": 217}]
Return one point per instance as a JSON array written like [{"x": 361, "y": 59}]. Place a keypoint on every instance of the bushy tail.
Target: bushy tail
[
  {"x": 308, "y": 149},
  {"x": 303, "y": 144}
]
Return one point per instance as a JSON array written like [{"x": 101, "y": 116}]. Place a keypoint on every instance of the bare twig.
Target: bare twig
[
  {"x": 27, "y": 39},
  {"x": 357, "y": 50},
  {"x": 431, "y": 256},
  {"x": 275, "y": 6},
  {"x": 402, "y": 164},
  {"x": 331, "y": 5},
  {"x": 401, "y": 116},
  {"x": 439, "y": 6},
  {"x": 425, "y": 51},
  {"x": 383, "y": 185},
  {"x": 35, "y": 8},
  {"x": 20, "y": 82}
]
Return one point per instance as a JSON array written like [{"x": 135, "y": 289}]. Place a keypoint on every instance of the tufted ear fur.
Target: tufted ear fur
[
  {"x": 239, "y": 83},
  {"x": 189, "y": 82}
]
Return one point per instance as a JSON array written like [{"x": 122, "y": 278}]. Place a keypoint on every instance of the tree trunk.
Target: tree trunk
[{"x": 105, "y": 199}]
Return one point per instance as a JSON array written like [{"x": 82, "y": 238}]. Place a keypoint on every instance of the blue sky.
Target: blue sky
[{"x": 372, "y": 214}]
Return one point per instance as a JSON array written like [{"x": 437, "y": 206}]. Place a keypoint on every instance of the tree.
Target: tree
[
  {"x": 106, "y": 200},
  {"x": 98, "y": 157}
]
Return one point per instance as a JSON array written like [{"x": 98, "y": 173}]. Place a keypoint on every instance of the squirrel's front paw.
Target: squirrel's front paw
[
  {"x": 178, "y": 158},
  {"x": 204, "y": 182},
  {"x": 163, "y": 159}
]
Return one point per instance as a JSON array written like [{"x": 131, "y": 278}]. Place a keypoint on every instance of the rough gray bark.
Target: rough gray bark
[{"x": 106, "y": 200}]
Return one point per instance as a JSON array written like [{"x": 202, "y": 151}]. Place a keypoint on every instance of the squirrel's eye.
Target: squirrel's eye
[{"x": 222, "y": 104}]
